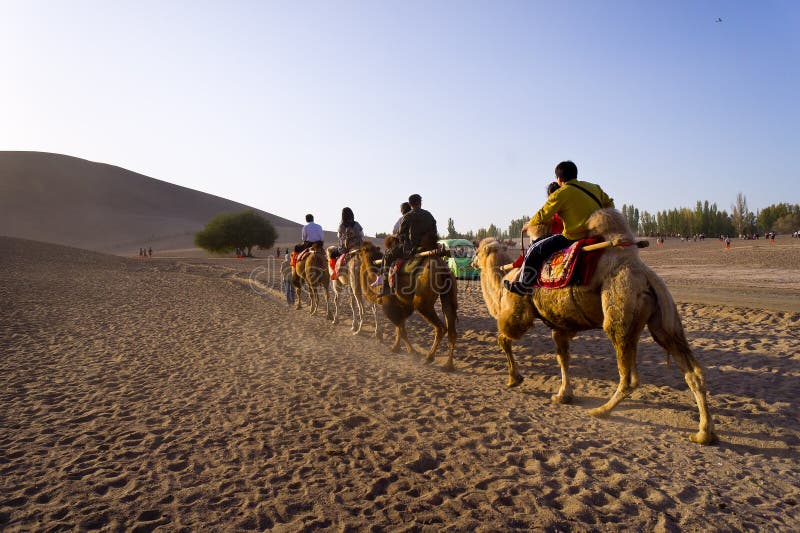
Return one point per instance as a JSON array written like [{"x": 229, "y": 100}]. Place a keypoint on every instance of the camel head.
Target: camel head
[
  {"x": 369, "y": 252},
  {"x": 491, "y": 253},
  {"x": 542, "y": 230},
  {"x": 391, "y": 241},
  {"x": 332, "y": 251}
]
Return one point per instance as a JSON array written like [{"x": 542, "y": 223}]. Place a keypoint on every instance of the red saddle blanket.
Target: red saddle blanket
[
  {"x": 569, "y": 266},
  {"x": 302, "y": 255},
  {"x": 335, "y": 265},
  {"x": 393, "y": 270}
]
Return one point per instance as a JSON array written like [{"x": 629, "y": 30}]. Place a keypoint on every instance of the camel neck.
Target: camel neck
[{"x": 492, "y": 284}]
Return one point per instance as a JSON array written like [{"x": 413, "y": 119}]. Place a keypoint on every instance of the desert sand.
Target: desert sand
[{"x": 173, "y": 394}]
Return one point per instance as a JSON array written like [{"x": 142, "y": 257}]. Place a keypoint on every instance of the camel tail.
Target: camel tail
[{"x": 665, "y": 323}]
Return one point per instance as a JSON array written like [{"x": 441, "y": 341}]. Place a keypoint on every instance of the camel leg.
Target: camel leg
[
  {"x": 626, "y": 358},
  {"x": 623, "y": 323},
  {"x": 514, "y": 377},
  {"x": 359, "y": 308},
  {"x": 674, "y": 342},
  {"x": 562, "y": 339},
  {"x": 352, "y": 307},
  {"x": 354, "y": 310},
  {"x": 693, "y": 374},
  {"x": 312, "y": 290},
  {"x": 401, "y": 335},
  {"x": 450, "y": 309},
  {"x": 297, "y": 294},
  {"x": 335, "y": 306},
  {"x": 433, "y": 319},
  {"x": 328, "y": 313},
  {"x": 378, "y": 330}
]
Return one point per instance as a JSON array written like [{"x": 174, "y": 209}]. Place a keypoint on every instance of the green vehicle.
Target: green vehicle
[{"x": 460, "y": 261}]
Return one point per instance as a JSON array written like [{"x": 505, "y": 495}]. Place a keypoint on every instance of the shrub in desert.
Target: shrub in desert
[{"x": 228, "y": 231}]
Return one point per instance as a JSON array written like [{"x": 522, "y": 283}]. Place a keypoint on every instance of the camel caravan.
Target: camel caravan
[{"x": 587, "y": 276}]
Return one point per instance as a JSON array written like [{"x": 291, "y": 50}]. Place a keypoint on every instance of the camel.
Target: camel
[
  {"x": 431, "y": 279},
  {"x": 623, "y": 296},
  {"x": 347, "y": 281},
  {"x": 312, "y": 270}
]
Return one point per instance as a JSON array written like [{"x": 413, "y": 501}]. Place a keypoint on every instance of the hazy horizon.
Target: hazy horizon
[{"x": 312, "y": 107}]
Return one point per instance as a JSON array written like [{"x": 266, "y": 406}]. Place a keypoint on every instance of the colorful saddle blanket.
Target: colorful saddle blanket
[
  {"x": 406, "y": 266},
  {"x": 335, "y": 264},
  {"x": 302, "y": 255},
  {"x": 569, "y": 266}
]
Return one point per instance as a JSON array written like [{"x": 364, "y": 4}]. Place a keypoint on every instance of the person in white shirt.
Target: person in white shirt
[{"x": 312, "y": 233}]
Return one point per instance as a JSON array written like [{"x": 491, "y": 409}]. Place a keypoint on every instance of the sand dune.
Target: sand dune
[
  {"x": 139, "y": 394},
  {"x": 66, "y": 200}
]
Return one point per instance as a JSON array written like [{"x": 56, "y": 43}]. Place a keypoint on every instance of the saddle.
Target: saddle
[
  {"x": 303, "y": 255},
  {"x": 569, "y": 266},
  {"x": 405, "y": 266}
]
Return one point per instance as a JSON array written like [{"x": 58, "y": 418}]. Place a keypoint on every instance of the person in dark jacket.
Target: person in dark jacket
[{"x": 417, "y": 233}]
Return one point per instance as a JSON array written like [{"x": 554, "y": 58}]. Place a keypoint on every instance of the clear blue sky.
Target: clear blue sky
[{"x": 296, "y": 107}]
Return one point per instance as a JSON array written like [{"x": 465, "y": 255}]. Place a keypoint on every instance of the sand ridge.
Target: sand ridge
[{"x": 139, "y": 394}]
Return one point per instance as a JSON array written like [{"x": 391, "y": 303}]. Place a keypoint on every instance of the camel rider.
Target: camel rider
[
  {"x": 405, "y": 207},
  {"x": 573, "y": 202},
  {"x": 350, "y": 233},
  {"x": 312, "y": 233},
  {"x": 417, "y": 233}
]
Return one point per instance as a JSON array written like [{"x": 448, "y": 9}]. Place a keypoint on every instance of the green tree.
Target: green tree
[
  {"x": 648, "y": 224},
  {"x": 228, "y": 231},
  {"x": 740, "y": 215},
  {"x": 451, "y": 229},
  {"x": 631, "y": 215},
  {"x": 515, "y": 228},
  {"x": 788, "y": 223},
  {"x": 769, "y": 216}
]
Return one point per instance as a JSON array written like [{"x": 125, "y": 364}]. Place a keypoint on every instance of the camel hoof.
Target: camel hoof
[
  {"x": 514, "y": 381},
  {"x": 599, "y": 412},
  {"x": 429, "y": 359},
  {"x": 704, "y": 437},
  {"x": 449, "y": 367},
  {"x": 395, "y": 348},
  {"x": 562, "y": 399}
]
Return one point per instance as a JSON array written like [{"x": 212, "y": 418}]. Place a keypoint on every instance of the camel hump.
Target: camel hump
[{"x": 609, "y": 224}]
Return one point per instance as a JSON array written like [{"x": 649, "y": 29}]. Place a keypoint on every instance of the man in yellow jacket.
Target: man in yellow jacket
[{"x": 573, "y": 201}]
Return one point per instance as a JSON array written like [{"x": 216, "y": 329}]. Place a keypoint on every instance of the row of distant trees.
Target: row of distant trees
[
  {"x": 706, "y": 218},
  {"x": 247, "y": 229}
]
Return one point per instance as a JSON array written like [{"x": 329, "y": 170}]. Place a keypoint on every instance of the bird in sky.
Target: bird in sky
[{"x": 719, "y": 19}]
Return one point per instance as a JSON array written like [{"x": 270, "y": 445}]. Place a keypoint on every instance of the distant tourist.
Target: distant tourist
[
  {"x": 150, "y": 252},
  {"x": 286, "y": 279}
]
